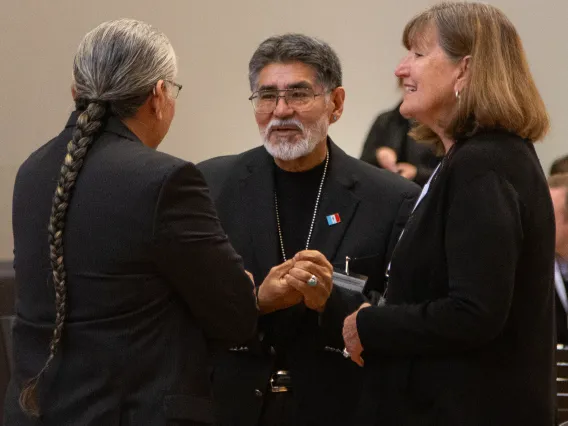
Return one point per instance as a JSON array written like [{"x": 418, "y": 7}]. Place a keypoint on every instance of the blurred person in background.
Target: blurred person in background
[
  {"x": 559, "y": 192},
  {"x": 560, "y": 165},
  {"x": 389, "y": 146}
]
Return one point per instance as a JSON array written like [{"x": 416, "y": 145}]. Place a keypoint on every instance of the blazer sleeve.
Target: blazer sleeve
[
  {"x": 374, "y": 140},
  {"x": 194, "y": 253},
  {"x": 483, "y": 239}
]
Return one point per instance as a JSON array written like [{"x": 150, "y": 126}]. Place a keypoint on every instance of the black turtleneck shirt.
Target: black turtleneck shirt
[{"x": 297, "y": 193}]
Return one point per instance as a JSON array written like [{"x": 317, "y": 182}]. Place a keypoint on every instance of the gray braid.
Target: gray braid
[{"x": 89, "y": 123}]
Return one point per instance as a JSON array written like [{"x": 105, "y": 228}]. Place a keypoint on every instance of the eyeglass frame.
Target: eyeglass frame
[
  {"x": 173, "y": 83},
  {"x": 177, "y": 86},
  {"x": 278, "y": 96}
]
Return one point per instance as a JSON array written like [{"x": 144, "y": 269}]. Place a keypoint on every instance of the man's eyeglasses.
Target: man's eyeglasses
[
  {"x": 176, "y": 88},
  {"x": 300, "y": 99}
]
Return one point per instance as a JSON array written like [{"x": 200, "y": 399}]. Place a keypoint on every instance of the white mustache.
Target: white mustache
[{"x": 283, "y": 123}]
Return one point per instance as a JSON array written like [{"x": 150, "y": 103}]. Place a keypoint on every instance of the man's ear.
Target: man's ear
[
  {"x": 337, "y": 99},
  {"x": 158, "y": 100}
]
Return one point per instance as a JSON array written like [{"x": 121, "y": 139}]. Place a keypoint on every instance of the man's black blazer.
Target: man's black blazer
[
  {"x": 152, "y": 279},
  {"x": 373, "y": 205}
]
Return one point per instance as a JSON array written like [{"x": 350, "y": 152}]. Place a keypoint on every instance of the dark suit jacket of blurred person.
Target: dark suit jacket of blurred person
[{"x": 391, "y": 129}]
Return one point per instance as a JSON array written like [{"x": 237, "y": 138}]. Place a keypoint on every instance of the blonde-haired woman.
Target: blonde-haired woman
[{"x": 465, "y": 335}]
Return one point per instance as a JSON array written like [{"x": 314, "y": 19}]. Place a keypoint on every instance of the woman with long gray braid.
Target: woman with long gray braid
[{"x": 144, "y": 279}]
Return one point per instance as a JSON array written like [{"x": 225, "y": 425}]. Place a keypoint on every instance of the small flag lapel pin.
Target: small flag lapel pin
[{"x": 333, "y": 219}]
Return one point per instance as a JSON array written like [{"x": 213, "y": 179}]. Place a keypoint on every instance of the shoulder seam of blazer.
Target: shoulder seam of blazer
[{"x": 166, "y": 178}]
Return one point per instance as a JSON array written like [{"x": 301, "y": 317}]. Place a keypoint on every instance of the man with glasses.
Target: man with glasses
[{"x": 295, "y": 209}]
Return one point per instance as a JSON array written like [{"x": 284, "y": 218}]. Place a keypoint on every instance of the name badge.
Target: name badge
[{"x": 352, "y": 282}]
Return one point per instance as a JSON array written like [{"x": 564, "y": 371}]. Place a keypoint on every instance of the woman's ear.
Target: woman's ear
[{"x": 464, "y": 73}]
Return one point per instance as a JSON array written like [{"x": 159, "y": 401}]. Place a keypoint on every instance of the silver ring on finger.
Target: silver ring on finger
[{"x": 313, "y": 281}]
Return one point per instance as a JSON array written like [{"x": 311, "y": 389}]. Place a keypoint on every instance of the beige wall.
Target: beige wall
[{"x": 214, "y": 40}]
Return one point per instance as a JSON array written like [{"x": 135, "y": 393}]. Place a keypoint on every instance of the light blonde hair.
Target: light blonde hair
[{"x": 500, "y": 91}]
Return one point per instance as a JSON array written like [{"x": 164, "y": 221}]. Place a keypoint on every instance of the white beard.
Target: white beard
[{"x": 285, "y": 150}]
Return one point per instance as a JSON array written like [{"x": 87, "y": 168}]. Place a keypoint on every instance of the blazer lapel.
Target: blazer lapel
[
  {"x": 337, "y": 199},
  {"x": 257, "y": 190}
]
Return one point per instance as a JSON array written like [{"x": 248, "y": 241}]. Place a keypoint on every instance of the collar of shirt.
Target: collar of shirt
[
  {"x": 563, "y": 266},
  {"x": 560, "y": 286}
]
